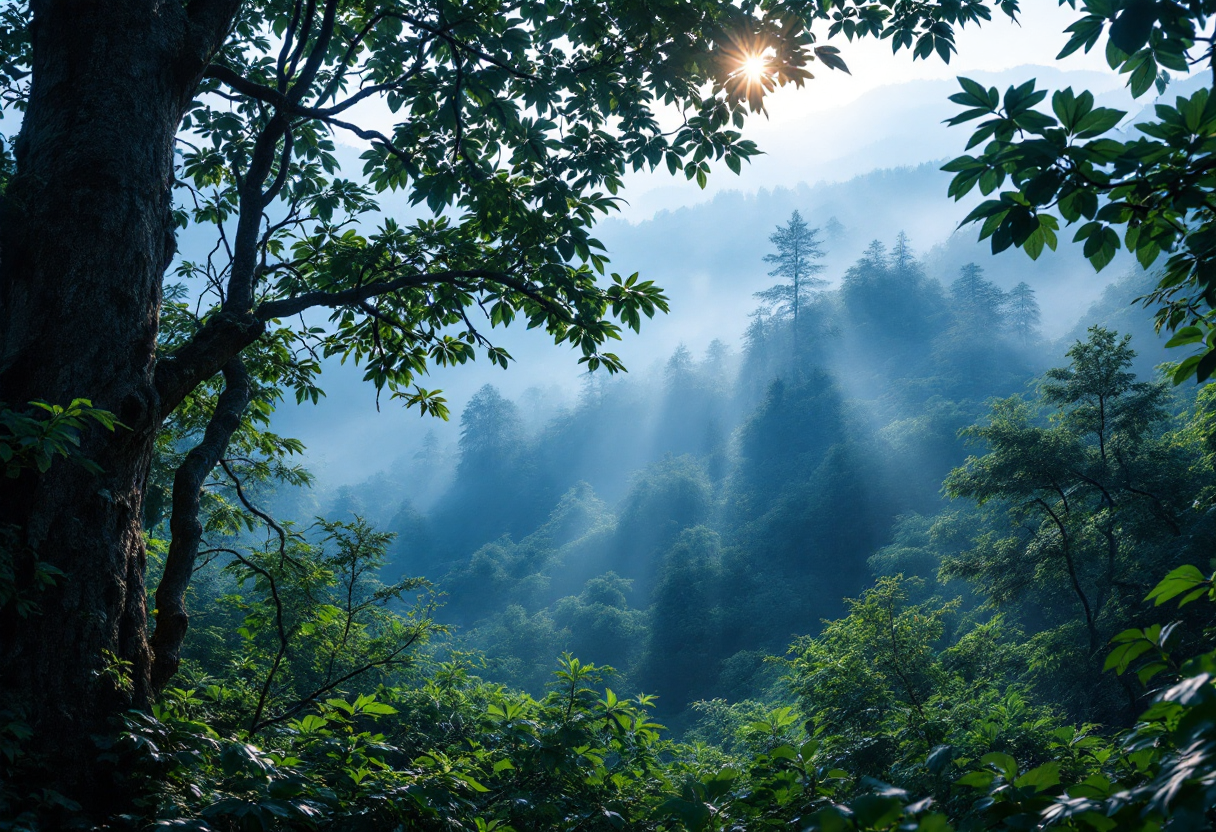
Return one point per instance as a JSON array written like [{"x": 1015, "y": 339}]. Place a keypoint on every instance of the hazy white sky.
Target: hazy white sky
[
  {"x": 995, "y": 46},
  {"x": 809, "y": 120}
]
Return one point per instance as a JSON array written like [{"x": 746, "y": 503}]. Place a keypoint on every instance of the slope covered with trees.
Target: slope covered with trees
[
  {"x": 681, "y": 527},
  {"x": 852, "y": 604}
]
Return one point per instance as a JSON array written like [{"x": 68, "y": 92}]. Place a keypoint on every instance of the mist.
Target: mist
[{"x": 707, "y": 255}]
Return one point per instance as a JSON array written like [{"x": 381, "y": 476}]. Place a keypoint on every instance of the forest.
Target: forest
[{"x": 894, "y": 556}]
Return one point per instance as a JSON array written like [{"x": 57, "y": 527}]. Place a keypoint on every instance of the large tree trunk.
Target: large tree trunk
[{"x": 85, "y": 237}]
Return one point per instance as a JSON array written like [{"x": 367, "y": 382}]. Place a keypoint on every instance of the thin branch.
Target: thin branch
[
  {"x": 1110, "y": 501},
  {"x": 282, "y": 633},
  {"x": 389, "y": 320},
  {"x": 1072, "y": 574},
  {"x": 324, "y": 689},
  {"x": 351, "y": 47},
  {"x": 461, "y": 45},
  {"x": 263, "y": 516},
  {"x": 370, "y": 135}
]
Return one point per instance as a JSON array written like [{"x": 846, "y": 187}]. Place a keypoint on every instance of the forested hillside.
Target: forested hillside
[
  {"x": 686, "y": 526},
  {"x": 888, "y": 543}
]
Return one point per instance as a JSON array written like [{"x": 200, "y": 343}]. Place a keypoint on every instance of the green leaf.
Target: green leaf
[
  {"x": 694, "y": 814},
  {"x": 1041, "y": 778},
  {"x": 1131, "y": 28},
  {"x": 1177, "y": 582},
  {"x": 1006, "y": 764},
  {"x": 1098, "y": 122},
  {"x": 976, "y": 779},
  {"x": 830, "y": 56},
  {"x": 1186, "y": 335},
  {"x": 1143, "y": 77},
  {"x": 873, "y": 811}
]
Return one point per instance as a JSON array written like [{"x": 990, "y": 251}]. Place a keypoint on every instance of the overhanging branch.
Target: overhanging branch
[
  {"x": 286, "y": 307},
  {"x": 221, "y": 338},
  {"x": 226, "y": 334}
]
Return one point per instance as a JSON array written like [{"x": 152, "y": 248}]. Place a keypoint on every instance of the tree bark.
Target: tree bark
[{"x": 85, "y": 237}]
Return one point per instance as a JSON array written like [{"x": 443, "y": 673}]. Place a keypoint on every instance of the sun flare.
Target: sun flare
[{"x": 755, "y": 67}]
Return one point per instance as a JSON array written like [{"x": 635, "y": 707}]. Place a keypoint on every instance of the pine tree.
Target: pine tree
[
  {"x": 979, "y": 303},
  {"x": 798, "y": 246},
  {"x": 426, "y": 468},
  {"x": 906, "y": 271},
  {"x": 1023, "y": 312},
  {"x": 902, "y": 258},
  {"x": 490, "y": 433},
  {"x": 592, "y": 391},
  {"x": 977, "y": 307},
  {"x": 875, "y": 256},
  {"x": 834, "y": 229}
]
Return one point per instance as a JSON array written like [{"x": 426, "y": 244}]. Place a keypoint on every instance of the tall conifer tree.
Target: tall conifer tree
[
  {"x": 1024, "y": 314},
  {"x": 798, "y": 247}
]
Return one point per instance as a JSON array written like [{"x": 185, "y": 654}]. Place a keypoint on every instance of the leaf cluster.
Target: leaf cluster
[{"x": 1155, "y": 185}]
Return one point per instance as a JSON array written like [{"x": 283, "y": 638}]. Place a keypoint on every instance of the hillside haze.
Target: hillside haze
[
  {"x": 751, "y": 463},
  {"x": 872, "y": 165}
]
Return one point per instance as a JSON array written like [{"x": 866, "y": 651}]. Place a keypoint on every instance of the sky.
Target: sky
[
  {"x": 706, "y": 247},
  {"x": 803, "y": 122}
]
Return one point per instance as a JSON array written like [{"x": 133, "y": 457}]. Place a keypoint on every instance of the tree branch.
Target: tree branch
[
  {"x": 281, "y": 101},
  {"x": 264, "y": 693},
  {"x": 460, "y": 45},
  {"x": 280, "y": 178},
  {"x": 172, "y": 618},
  {"x": 303, "y": 703},
  {"x": 280, "y": 68},
  {"x": 1072, "y": 574},
  {"x": 261, "y": 515},
  {"x": 220, "y": 339},
  {"x": 287, "y": 307},
  {"x": 316, "y": 57}
]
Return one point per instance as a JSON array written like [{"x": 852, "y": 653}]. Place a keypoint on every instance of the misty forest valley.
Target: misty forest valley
[{"x": 582, "y": 415}]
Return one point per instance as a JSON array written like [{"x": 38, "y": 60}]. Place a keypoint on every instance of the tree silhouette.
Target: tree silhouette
[
  {"x": 903, "y": 260},
  {"x": 978, "y": 308},
  {"x": 1023, "y": 311},
  {"x": 979, "y": 302},
  {"x": 490, "y": 434},
  {"x": 834, "y": 229},
  {"x": 798, "y": 246}
]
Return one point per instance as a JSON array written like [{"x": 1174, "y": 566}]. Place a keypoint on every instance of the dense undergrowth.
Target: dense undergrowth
[{"x": 443, "y": 749}]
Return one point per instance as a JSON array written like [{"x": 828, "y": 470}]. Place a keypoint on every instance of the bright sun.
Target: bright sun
[{"x": 755, "y": 67}]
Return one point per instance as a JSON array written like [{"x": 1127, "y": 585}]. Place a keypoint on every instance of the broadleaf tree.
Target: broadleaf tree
[
  {"x": 509, "y": 126},
  {"x": 1094, "y": 501}
]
